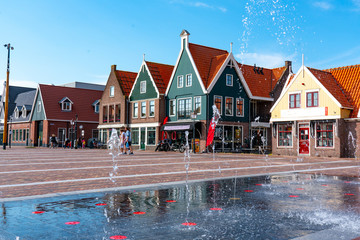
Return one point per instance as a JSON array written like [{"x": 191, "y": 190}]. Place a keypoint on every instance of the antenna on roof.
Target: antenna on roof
[{"x": 231, "y": 44}]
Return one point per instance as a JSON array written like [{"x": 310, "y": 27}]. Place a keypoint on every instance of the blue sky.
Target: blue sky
[{"x": 64, "y": 41}]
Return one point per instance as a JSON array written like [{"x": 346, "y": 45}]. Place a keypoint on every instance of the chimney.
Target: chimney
[
  {"x": 184, "y": 38},
  {"x": 288, "y": 65},
  {"x": 113, "y": 68}
]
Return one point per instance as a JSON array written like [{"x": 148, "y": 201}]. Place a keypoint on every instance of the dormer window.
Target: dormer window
[
  {"x": 66, "y": 104},
  {"x": 23, "y": 112},
  {"x": 16, "y": 112},
  {"x": 96, "y": 106}
]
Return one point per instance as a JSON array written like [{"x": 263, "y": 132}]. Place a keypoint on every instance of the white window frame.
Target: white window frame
[
  {"x": 174, "y": 102},
  {"x": 221, "y": 98},
  {"x": 181, "y": 77},
  {"x": 178, "y": 101},
  {"x": 241, "y": 99},
  {"x": 112, "y": 91},
  {"x": 16, "y": 113},
  {"x": 23, "y": 112},
  {"x": 232, "y": 106},
  {"x": 232, "y": 80},
  {"x": 143, "y": 87},
  {"x": 278, "y": 137},
  {"x": 141, "y": 109},
  {"x": 135, "y": 113},
  {"x": 194, "y": 107},
  {"x": 186, "y": 80},
  {"x": 150, "y": 108},
  {"x": 97, "y": 107},
  {"x": 64, "y": 104}
]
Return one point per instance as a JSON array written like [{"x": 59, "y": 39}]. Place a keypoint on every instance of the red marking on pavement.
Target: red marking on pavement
[
  {"x": 100, "y": 204},
  {"x": 293, "y": 196},
  {"x": 138, "y": 213},
  {"x": 38, "y": 212},
  {"x": 258, "y": 184},
  {"x": 347, "y": 182},
  {"x": 216, "y": 209},
  {"x": 72, "y": 223},
  {"x": 118, "y": 237},
  {"x": 188, "y": 224},
  {"x": 349, "y": 194},
  {"x": 299, "y": 189},
  {"x": 324, "y": 185},
  {"x": 248, "y": 190},
  {"x": 170, "y": 200},
  {"x": 285, "y": 181}
]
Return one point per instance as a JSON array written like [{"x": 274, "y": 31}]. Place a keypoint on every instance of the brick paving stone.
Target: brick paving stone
[{"x": 40, "y": 171}]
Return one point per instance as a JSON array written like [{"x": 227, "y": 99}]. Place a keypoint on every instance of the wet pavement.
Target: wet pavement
[{"x": 26, "y": 172}]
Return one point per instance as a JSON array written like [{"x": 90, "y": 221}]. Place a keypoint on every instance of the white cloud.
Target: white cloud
[
  {"x": 323, "y": 5},
  {"x": 263, "y": 60},
  {"x": 357, "y": 5}
]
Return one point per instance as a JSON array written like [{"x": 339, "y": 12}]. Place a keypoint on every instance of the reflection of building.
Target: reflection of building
[
  {"x": 20, "y": 100},
  {"x": 317, "y": 113}
]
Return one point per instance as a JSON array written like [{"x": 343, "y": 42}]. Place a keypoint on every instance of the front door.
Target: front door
[{"x": 304, "y": 140}]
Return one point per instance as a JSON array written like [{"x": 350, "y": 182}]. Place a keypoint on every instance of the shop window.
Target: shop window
[
  {"x": 324, "y": 135},
  {"x": 151, "y": 133},
  {"x": 172, "y": 107},
  {"x": 135, "y": 136},
  {"x": 284, "y": 135},
  {"x": 228, "y": 106},
  {"x": 117, "y": 113}
]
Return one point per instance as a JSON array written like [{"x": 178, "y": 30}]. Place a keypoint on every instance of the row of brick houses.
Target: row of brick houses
[
  {"x": 184, "y": 94},
  {"x": 310, "y": 113}
]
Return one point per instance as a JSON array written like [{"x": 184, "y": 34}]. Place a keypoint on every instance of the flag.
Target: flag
[{"x": 211, "y": 132}]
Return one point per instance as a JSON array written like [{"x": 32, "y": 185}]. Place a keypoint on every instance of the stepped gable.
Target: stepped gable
[
  {"x": 332, "y": 85},
  {"x": 161, "y": 74},
  {"x": 207, "y": 60},
  {"x": 261, "y": 81},
  {"x": 349, "y": 79},
  {"x": 126, "y": 80},
  {"x": 82, "y": 102}
]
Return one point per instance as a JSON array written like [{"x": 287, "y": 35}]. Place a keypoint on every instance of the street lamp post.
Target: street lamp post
[
  {"x": 76, "y": 120},
  {"x": 193, "y": 117},
  {"x": 6, "y": 113},
  {"x": 72, "y": 133}
]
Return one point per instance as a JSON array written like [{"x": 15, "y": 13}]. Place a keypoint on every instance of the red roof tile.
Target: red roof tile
[
  {"x": 82, "y": 99},
  {"x": 207, "y": 60},
  {"x": 349, "y": 79},
  {"x": 161, "y": 74},
  {"x": 331, "y": 84},
  {"x": 267, "y": 79},
  {"x": 126, "y": 80}
]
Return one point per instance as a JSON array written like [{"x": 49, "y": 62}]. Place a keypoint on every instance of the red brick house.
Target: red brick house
[
  {"x": 64, "y": 111},
  {"x": 114, "y": 103}
]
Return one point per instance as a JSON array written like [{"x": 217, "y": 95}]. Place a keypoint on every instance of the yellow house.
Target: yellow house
[{"x": 308, "y": 117}]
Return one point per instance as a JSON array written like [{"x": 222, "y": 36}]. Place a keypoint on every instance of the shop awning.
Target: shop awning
[
  {"x": 177, "y": 127},
  {"x": 260, "y": 124}
]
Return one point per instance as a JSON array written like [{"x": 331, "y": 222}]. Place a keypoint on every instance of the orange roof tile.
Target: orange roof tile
[
  {"x": 267, "y": 79},
  {"x": 161, "y": 74},
  {"x": 126, "y": 80},
  {"x": 349, "y": 79},
  {"x": 331, "y": 84},
  {"x": 207, "y": 61}
]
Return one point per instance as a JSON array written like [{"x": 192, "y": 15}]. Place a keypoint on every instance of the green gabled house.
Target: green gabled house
[
  {"x": 202, "y": 77},
  {"x": 147, "y": 104}
]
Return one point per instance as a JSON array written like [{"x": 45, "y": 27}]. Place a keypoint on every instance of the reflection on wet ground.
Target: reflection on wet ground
[{"x": 272, "y": 207}]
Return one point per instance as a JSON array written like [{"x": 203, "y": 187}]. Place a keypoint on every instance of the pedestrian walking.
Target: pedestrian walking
[
  {"x": 122, "y": 141},
  {"x": 53, "y": 141},
  {"x": 128, "y": 140}
]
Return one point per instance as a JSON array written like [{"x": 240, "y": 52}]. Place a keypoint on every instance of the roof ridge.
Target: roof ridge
[
  {"x": 209, "y": 47},
  {"x": 160, "y": 63}
]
